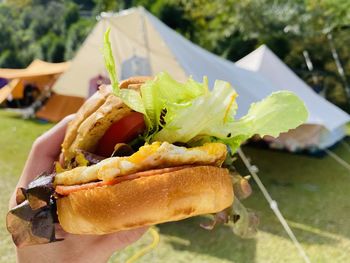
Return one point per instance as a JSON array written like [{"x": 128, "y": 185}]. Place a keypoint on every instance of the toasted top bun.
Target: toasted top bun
[
  {"x": 94, "y": 118},
  {"x": 146, "y": 201}
]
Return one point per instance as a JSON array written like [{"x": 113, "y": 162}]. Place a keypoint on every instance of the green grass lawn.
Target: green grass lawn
[{"x": 313, "y": 194}]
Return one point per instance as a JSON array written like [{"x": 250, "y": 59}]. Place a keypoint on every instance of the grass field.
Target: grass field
[{"x": 313, "y": 194}]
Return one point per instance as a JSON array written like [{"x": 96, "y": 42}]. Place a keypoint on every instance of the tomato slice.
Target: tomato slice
[{"x": 122, "y": 131}]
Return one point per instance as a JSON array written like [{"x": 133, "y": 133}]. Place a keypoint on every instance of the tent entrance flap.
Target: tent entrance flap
[
  {"x": 59, "y": 106},
  {"x": 273, "y": 205}
]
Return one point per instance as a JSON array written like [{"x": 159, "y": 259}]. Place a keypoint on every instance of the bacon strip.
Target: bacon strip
[{"x": 68, "y": 189}]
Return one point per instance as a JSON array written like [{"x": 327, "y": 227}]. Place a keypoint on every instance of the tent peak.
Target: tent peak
[
  {"x": 263, "y": 47},
  {"x": 266, "y": 50}
]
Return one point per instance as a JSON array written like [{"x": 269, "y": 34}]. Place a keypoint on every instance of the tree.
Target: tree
[
  {"x": 76, "y": 35},
  {"x": 34, "y": 35},
  {"x": 106, "y": 6},
  {"x": 71, "y": 15}
]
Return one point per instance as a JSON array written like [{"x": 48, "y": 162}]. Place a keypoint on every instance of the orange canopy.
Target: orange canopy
[
  {"x": 39, "y": 73},
  {"x": 36, "y": 69}
]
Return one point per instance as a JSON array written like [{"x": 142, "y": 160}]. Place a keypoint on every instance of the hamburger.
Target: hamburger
[
  {"x": 159, "y": 182},
  {"x": 148, "y": 151}
]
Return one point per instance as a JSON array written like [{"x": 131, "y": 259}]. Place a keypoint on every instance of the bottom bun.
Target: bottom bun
[{"x": 146, "y": 201}]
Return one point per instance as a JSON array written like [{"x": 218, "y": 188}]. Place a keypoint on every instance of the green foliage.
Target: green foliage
[
  {"x": 10, "y": 58},
  {"x": 105, "y": 6},
  {"x": 71, "y": 14},
  {"x": 55, "y": 52},
  {"x": 85, "y": 4},
  {"x": 50, "y": 30},
  {"x": 76, "y": 35},
  {"x": 174, "y": 16},
  {"x": 229, "y": 28}
]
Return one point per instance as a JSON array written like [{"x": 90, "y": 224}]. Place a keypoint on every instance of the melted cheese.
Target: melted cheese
[{"x": 155, "y": 155}]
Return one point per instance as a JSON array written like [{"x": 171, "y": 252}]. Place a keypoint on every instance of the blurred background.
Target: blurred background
[{"x": 41, "y": 38}]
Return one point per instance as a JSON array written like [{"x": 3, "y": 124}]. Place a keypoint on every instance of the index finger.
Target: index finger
[{"x": 44, "y": 152}]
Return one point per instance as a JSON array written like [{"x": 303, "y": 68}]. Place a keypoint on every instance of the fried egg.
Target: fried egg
[{"x": 149, "y": 156}]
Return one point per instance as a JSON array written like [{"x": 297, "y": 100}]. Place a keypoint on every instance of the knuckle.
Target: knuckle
[{"x": 38, "y": 142}]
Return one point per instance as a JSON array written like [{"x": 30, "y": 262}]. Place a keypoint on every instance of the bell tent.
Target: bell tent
[{"x": 326, "y": 124}]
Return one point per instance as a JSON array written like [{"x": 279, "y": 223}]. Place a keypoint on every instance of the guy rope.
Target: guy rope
[{"x": 273, "y": 204}]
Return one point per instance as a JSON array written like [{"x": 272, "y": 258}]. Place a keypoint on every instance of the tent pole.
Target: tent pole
[
  {"x": 310, "y": 66},
  {"x": 273, "y": 204},
  {"x": 340, "y": 67}
]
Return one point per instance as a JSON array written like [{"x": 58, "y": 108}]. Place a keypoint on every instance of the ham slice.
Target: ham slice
[{"x": 68, "y": 189}]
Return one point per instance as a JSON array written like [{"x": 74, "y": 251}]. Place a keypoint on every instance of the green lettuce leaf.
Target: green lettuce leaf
[
  {"x": 164, "y": 93},
  {"x": 187, "y": 121},
  {"x": 130, "y": 97},
  {"x": 279, "y": 112},
  {"x": 244, "y": 222},
  {"x": 109, "y": 62},
  {"x": 133, "y": 100}
]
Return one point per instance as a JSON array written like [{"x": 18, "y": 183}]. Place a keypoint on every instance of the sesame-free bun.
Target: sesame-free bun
[{"x": 146, "y": 201}]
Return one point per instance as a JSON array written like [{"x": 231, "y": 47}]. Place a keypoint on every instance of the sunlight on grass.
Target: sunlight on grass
[{"x": 312, "y": 194}]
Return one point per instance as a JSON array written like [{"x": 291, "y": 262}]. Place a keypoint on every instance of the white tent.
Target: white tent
[
  {"x": 326, "y": 123},
  {"x": 143, "y": 44}
]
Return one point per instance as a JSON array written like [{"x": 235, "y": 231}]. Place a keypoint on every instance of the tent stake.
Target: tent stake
[{"x": 273, "y": 204}]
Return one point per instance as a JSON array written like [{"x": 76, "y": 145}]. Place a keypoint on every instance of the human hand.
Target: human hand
[{"x": 74, "y": 248}]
